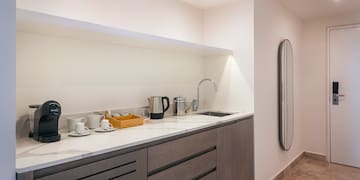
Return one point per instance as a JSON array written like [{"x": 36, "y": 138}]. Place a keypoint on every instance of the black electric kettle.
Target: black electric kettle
[{"x": 157, "y": 106}]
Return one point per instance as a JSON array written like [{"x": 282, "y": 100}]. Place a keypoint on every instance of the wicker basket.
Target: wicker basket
[{"x": 125, "y": 121}]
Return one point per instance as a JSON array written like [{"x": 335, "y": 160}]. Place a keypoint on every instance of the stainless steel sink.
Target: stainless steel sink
[{"x": 217, "y": 114}]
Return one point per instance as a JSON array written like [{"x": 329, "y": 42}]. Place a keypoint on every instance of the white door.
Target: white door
[{"x": 344, "y": 56}]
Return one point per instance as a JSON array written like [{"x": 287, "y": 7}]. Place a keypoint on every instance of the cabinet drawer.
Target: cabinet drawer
[
  {"x": 190, "y": 169},
  {"x": 105, "y": 169},
  {"x": 169, "y": 152}
]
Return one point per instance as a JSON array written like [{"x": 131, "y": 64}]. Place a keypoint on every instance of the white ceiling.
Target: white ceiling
[
  {"x": 205, "y": 4},
  {"x": 308, "y": 9},
  {"x": 305, "y": 9}
]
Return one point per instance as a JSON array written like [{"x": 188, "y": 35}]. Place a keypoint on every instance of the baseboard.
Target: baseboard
[
  {"x": 302, "y": 155},
  {"x": 320, "y": 157}
]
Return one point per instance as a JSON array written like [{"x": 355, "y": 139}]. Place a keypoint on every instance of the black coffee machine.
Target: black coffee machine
[{"x": 44, "y": 127}]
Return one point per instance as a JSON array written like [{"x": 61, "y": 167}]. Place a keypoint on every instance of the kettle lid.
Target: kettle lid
[{"x": 179, "y": 99}]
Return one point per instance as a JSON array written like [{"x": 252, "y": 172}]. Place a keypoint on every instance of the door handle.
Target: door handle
[{"x": 336, "y": 97}]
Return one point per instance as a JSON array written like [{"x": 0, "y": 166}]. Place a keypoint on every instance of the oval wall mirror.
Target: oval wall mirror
[{"x": 286, "y": 94}]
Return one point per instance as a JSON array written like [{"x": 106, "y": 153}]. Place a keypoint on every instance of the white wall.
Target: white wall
[
  {"x": 7, "y": 89},
  {"x": 232, "y": 26},
  {"x": 314, "y": 79},
  {"x": 168, "y": 18},
  {"x": 273, "y": 23},
  {"x": 85, "y": 76}
]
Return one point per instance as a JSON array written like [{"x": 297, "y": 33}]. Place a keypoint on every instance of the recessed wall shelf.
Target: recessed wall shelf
[{"x": 35, "y": 22}]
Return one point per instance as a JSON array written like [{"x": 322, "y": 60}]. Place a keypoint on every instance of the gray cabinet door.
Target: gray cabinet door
[{"x": 236, "y": 151}]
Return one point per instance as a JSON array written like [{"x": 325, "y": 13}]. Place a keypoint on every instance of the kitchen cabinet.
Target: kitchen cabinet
[
  {"x": 236, "y": 151},
  {"x": 223, "y": 151}
]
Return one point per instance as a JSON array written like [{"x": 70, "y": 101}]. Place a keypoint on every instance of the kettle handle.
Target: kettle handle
[
  {"x": 34, "y": 106},
  {"x": 167, "y": 103}
]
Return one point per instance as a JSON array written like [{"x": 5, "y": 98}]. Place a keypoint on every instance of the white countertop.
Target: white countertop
[{"x": 32, "y": 155}]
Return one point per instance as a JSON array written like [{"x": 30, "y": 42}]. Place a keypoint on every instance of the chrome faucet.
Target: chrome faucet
[{"x": 196, "y": 102}]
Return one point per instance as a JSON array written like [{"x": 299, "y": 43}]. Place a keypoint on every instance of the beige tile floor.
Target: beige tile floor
[{"x": 311, "y": 169}]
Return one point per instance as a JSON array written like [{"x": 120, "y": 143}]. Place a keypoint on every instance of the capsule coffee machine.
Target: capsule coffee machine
[{"x": 44, "y": 126}]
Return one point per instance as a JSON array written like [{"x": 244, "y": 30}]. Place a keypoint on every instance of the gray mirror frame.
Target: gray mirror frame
[{"x": 286, "y": 94}]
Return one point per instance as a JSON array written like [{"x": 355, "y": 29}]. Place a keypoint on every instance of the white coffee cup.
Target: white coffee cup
[
  {"x": 72, "y": 121},
  {"x": 105, "y": 124},
  {"x": 94, "y": 120},
  {"x": 80, "y": 128}
]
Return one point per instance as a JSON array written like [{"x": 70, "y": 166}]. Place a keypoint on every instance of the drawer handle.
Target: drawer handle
[
  {"x": 122, "y": 165},
  {"x": 123, "y": 174},
  {"x": 181, "y": 161},
  {"x": 204, "y": 174}
]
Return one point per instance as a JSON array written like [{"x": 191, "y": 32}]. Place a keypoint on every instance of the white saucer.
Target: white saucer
[
  {"x": 75, "y": 134},
  {"x": 104, "y": 130}
]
